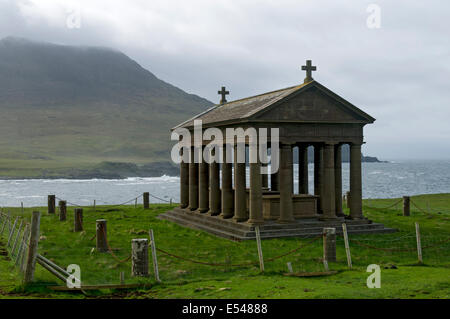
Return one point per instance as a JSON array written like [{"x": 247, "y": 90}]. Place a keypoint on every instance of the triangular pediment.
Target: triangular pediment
[
  {"x": 314, "y": 103},
  {"x": 309, "y": 102}
]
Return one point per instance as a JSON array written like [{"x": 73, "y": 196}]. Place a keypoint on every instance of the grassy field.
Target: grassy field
[{"x": 401, "y": 275}]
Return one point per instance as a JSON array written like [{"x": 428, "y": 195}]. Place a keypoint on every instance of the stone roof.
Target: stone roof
[{"x": 244, "y": 108}]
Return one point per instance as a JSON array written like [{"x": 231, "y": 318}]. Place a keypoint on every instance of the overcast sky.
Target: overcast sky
[{"x": 397, "y": 70}]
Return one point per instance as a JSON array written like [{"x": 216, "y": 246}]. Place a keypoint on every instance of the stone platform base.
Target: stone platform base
[{"x": 232, "y": 230}]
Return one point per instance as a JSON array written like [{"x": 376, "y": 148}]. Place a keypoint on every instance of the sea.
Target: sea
[{"x": 392, "y": 179}]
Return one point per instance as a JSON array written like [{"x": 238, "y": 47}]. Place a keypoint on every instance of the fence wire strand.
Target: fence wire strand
[{"x": 236, "y": 265}]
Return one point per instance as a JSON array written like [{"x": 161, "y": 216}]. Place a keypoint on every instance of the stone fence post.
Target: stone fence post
[
  {"x": 62, "y": 210},
  {"x": 329, "y": 244},
  {"x": 146, "y": 199},
  {"x": 406, "y": 206},
  {"x": 51, "y": 204},
  {"x": 139, "y": 257},
  {"x": 78, "y": 219},
  {"x": 102, "y": 239}
]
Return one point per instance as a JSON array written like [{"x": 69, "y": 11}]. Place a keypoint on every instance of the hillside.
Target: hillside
[
  {"x": 65, "y": 106},
  {"x": 77, "y": 111}
]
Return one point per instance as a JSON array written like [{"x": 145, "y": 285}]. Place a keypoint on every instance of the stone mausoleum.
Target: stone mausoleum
[{"x": 220, "y": 199}]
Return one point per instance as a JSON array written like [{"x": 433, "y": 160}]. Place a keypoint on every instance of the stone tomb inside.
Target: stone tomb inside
[{"x": 216, "y": 197}]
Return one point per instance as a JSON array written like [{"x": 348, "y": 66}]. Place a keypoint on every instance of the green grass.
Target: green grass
[{"x": 182, "y": 279}]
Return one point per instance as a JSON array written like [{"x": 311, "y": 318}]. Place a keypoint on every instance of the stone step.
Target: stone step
[
  {"x": 230, "y": 223},
  {"x": 213, "y": 219},
  {"x": 241, "y": 231},
  {"x": 210, "y": 223},
  {"x": 241, "y": 228},
  {"x": 305, "y": 233},
  {"x": 214, "y": 231}
]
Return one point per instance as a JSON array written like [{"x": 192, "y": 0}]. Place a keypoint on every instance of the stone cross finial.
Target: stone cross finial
[
  {"x": 223, "y": 93},
  {"x": 308, "y": 68}
]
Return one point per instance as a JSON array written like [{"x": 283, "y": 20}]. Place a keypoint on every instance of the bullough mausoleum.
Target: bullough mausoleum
[{"x": 217, "y": 198}]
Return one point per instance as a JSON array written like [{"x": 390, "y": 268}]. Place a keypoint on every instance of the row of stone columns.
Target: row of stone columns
[
  {"x": 328, "y": 178},
  {"x": 200, "y": 184}
]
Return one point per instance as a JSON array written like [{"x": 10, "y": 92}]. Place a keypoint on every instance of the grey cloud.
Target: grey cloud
[{"x": 398, "y": 73}]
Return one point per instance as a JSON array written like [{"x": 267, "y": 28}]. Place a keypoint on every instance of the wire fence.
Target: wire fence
[
  {"x": 412, "y": 201},
  {"x": 16, "y": 231},
  {"x": 187, "y": 257}
]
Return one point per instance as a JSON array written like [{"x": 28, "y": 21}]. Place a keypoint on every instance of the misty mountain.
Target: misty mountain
[{"x": 87, "y": 104}]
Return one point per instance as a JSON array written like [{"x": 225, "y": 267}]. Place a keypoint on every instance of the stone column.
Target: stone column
[
  {"x": 286, "y": 213},
  {"x": 240, "y": 194},
  {"x": 318, "y": 175},
  {"x": 227, "y": 184},
  {"x": 338, "y": 179},
  {"x": 256, "y": 215},
  {"x": 193, "y": 181},
  {"x": 355, "y": 182},
  {"x": 265, "y": 179},
  {"x": 203, "y": 179},
  {"x": 303, "y": 169},
  {"x": 184, "y": 181},
  {"x": 214, "y": 189},
  {"x": 274, "y": 176},
  {"x": 328, "y": 202}
]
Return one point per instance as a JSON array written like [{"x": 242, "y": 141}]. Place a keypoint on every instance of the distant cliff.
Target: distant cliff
[{"x": 345, "y": 155}]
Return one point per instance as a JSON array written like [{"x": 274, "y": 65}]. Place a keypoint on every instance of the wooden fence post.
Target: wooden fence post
[
  {"x": 419, "y": 245},
  {"x": 6, "y": 220},
  {"x": 11, "y": 232},
  {"x": 122, "y": 278},
  {"x": 94, "y": 205},
  {"x": 25, "y": 248},
  {"x": 51, "y": 204},
  {"x": 13, "y": 249},
  {"x": 22, "y": 245},
  {"x": 347, "y": 246},
  {"x": 78, "y": 219},
  {"x": 146, "y": 196},
  {"x": 289, "y": 265},
  {"x": 329, "y": 244},
  {"x": 155, "y": 260},
  {"x": 32, "y": 247},
  {"x": 62, "y": 210},
  {"x": 21, "y": 205},
  {"x": 139, "y": 257},
  {"x": 102, "y": 239},
  {"x": 260, "y": 253},
  {"x": 406, "y": 207}
]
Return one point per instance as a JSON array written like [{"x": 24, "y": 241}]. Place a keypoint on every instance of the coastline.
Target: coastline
[{"x": 119, "y": 170}]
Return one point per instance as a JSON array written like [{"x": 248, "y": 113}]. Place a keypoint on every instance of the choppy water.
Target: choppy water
[{"x": 380, "y": 180}]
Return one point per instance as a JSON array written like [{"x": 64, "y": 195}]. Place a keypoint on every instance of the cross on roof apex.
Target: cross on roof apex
[
  {"x": 308, "y": 68},
  {"x": 223, "y": 92}
]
